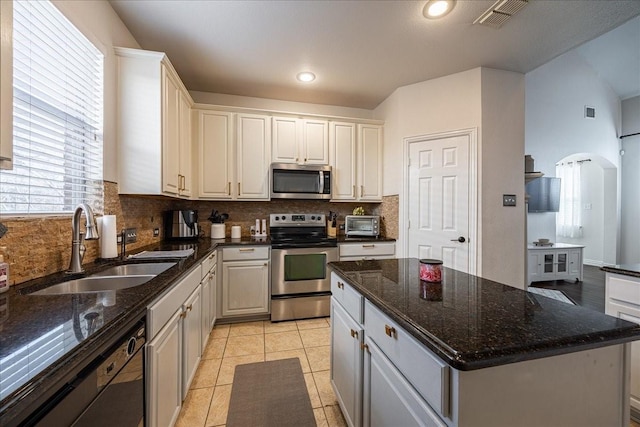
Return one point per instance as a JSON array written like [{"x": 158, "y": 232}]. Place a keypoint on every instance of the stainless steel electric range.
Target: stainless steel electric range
[{"x": 300, "y": 251}]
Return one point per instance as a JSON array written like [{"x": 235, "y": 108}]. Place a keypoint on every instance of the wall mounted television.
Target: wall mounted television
[{"x": 544, "y": 194}]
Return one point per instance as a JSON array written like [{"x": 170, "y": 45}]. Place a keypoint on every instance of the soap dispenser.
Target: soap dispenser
[{"x": 4, "y": 272}]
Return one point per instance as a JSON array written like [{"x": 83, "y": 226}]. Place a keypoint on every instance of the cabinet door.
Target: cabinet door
[
  {"x": 206, "y": 309},
  {"x": 548, "y": 271},
  {"x": 245, "y": 288},
  {"x": 6, "y": 84},
  {"x": 370, "y": 163},
  {"x": 630, "y": 314},
  {"x": 164, "y": 374},
  {"x": 286, "y": 136},
  {"x": 342, "y": 138},
  {"x": 346, "y": 363},
  {"x": 213, "y": 310},
  {"x": 170, "y": 133},
  {"x": 184, "y": 145},
  {"x": 215, "y": 159},
  {"x": 388, "y": 399},
  {"x": 534, "y": 266},
  {"x": 315, "y": 142},
  {"x": 192, "y": 338},
  {"x": 253, "y": 157},
  {"x": 575, "y": 264},
  {"x": 562, "y": 265}
]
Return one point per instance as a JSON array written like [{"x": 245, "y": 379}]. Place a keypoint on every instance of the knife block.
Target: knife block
[{"x": 331, "y": 231}]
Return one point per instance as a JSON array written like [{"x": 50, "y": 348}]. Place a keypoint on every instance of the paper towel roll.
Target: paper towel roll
[{"x": 108, "y": 236}]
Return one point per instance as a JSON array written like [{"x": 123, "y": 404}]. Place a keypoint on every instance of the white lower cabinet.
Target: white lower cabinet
[
  {"x": 191, "y": 338},
  {"x": 622, "y": 299},
  {"x": 346, "y": 363},
  {"x": 209, "y": 290},
  {"x": 388, "y": 398},
  {"x": 174, "y": 348},
  {"x": 164, "y": 374},
  {"x": 245, "y": 281},
  {"x": 366, "y": 250}
]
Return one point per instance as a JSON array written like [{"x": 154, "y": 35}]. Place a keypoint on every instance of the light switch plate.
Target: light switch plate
[{"x": 508, "y": 200}]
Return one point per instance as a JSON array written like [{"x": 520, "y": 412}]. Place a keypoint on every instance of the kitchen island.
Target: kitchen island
[{"x": 471, "y": 352}]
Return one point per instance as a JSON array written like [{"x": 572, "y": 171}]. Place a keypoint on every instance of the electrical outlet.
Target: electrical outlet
[
  {"x": 508, "y": 200},
  {"x": 130, "y": 235},
  {"x": 156, "y": 232}
]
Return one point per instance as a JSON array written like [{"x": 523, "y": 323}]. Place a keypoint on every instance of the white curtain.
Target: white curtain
[{"x": 568, "y": 219}]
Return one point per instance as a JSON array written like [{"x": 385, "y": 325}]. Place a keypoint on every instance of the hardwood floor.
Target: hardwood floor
[{"x": 588, "y": 293}]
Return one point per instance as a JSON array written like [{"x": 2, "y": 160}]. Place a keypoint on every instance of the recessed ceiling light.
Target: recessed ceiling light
[
  {"x": 306, "y": 76},
  {"x": 437, "y": 8}
]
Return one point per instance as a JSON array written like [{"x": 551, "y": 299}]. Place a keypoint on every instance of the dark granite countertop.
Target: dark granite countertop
[
  {"x": 625, "y": 269},
  {"x": 29, "y": 321},
  {"x": 474, "y": 323}
]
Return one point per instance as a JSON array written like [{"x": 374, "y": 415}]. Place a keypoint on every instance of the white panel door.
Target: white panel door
[
  {"x": 370, "y": 163},
  {"x": 439, "y": 200},
  {"x": 315, "y": 142},
  {"x": 185, "y": 174}
]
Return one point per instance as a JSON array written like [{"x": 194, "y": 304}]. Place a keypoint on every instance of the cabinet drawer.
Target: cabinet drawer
[
  {"x": 347, "y": 297},
  {"x": 367, "y": 249},
  {"x": 208, "y": 263},
  {"x": 159, "y": 313},
  {"x": 425, "y": 371},
  {"x": 623, "y": 289},
  {"x": 240, "y": 253}
]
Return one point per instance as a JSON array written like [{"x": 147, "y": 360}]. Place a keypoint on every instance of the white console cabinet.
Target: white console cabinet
[{"x": 562, "y": 261}]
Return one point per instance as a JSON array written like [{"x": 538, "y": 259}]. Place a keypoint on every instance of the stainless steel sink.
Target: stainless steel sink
[
  {"x": 111, "y": 279},
  {"x": 152, "y": 268}
]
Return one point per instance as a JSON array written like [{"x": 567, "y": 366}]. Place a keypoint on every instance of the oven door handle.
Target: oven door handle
[{"x": 321, "y": 177}]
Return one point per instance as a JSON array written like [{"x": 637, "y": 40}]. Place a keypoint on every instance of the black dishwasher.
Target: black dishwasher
[{"x": 109, "y": 392}]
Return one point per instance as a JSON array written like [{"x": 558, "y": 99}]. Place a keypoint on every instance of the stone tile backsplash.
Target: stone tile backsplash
[{"x": 38, "y": 246}]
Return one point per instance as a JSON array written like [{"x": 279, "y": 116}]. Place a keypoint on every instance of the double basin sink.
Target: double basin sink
[{"x": 112, "y": 279}]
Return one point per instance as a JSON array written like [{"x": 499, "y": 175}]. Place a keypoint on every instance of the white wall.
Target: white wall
[
  {"x": 279, "y": 105},
  {"x": 630, "y": 178},
  {"x": 502, "y": 172},
  {"x": 555, "y": 126},
  {"x": 102, "y": 26},
  {"x": 488, "y": 100}
]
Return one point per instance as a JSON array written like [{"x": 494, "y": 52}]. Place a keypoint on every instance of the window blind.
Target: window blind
[{"x": 57, "y": 115}]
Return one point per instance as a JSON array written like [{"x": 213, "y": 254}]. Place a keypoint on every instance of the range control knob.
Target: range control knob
[
  {"x": 313, "y": 218},
  {"x": 284, "y": 217}
]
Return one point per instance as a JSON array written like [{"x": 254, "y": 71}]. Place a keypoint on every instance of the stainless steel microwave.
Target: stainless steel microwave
[
  {"x": 291, "y": 181},
  {"x": 362, "y": 225}
]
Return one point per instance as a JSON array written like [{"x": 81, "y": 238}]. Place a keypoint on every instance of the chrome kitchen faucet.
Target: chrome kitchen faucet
[{"x": 77, "y": 248}]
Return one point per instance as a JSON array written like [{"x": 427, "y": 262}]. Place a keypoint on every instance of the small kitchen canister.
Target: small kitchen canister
[
  {"x": 431, "y": 270},
  {"x": 236, "y": 232}
]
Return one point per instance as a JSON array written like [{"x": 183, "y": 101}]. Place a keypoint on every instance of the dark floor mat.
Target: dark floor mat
[{"x": 270, "y": 394}]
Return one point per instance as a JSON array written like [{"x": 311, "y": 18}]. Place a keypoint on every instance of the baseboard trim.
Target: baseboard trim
[{"x": 593, "y": 263}]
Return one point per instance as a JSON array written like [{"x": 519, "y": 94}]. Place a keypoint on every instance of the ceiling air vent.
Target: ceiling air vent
[{"x": 500, "y": 12}]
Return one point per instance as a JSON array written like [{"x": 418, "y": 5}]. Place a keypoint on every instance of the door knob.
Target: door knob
[{"x": 459, "y": 239}]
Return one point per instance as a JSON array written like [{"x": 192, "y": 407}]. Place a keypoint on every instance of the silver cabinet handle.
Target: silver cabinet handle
[{"x": 246, "y": 250}]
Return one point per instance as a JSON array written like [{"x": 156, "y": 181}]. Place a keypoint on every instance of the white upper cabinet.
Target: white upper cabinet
[
  {"x": 342, "y": 138},
  {"x": 154, "y": 126},
  {"x": 233, "y": 161},
  {"x": 6, "y": 84},
  {"x": 370, "y": 163},
  {"x": 301, "y": 141},
  {"x": 215, "y": 154},
  {"x": 356, "y": 157},
  {"x": 253, "y": 146}
]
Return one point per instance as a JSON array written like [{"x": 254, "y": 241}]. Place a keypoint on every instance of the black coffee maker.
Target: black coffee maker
[{"x": 181, "y": 224}]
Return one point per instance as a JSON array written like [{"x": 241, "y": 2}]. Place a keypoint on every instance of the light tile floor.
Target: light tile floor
[{"x": 207, "y": 402}]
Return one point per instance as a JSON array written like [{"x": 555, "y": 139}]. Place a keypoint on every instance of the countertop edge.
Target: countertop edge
[{"x": 625, "y": 271}]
